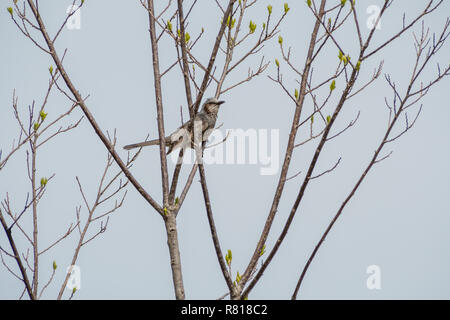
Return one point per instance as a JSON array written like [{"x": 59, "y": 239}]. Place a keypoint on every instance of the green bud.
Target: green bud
[
  {"x": 263, "y": 250},
  {"x": 264, "y": 26},
  {"x": 169, "y": 25},
  {"x": 269, "y": 8},
  {"x": 74, "y": 290},
  {"x": 229, "y": 257},
  {"x": 82, "y": 1},
  {"x": 329, "y": 23},
  {"x": 277, "y": 63},
  {"x": 328, "y": 118},
  {"x": 308, "y": 2},
  {"x": 10, "y": 10},
  {"x": 177, "y": 200},
  {"x": 43, "y": 181},
  {"x": 43, "y": 115},
  {"x": 345, "y": 59},
  {"x": 36, "y": 126},
  {"x": 341, "y": 55},
  {"x": 187, "y": 37},
  {"x": 296, "y": 94},
  {"x": 54, "y": 265},
  {"x": 280, "y": 39},
  {"x": 238, "y": 277},
  {"x": 232, "y": 22},
  {"x": 343, "y": 2},
  {"x": 286, "y": 7},
  {"x": 50, "y": 69},
  {"x": 312, "y": 119},
  {"x": 252, "y": 26},
  {"x": 165, "y": 211},
  {"x": 358, "y": 65},
  {"x": 333, "y": 85}
]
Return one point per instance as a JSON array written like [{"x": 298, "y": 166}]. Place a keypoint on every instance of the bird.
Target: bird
[{"x": 203, "y": 122}]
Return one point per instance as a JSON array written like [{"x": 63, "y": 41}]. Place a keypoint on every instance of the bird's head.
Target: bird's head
[{"x": 212, "y": 105}]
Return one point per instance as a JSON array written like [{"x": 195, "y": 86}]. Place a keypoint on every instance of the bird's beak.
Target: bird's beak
[{"x": 220, "y": 102}]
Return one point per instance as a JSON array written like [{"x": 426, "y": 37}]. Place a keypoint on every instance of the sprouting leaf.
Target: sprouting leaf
[
  {"x": 263, "y": 250},
  {"x": 328, "y": 118},
  {"x": 229, "y": 257},
  {"x": 296, "y": 94},
  {"x": 169, "y": 25},
  {"x": 269, "y": 9},
  {"x": 280, "y": 39},
  {"x": 286, "y": 7},
  {"x": 308, "y": 2},
  {"x": 44, "y": 181},
  {"x": 54, "y": 265},
  {"x": 252, "y": 26},
  {"x": 333, "y": 85},
  {"x": 43, "y": 115},
  {"x": 277, "y": 63},
  {"x": 10, "y": 10}
]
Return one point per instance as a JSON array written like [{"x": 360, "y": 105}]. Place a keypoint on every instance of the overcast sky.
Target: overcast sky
[{"x": 398, "y": 220}]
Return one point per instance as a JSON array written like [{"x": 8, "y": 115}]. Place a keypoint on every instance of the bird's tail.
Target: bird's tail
[{"x": 145, "y": 143}]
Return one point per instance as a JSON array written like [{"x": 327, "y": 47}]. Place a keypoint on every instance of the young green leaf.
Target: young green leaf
[
  {"x": 280, "y": 39},
  {"x": 229, "y": 257},
  {"x": 44, "y": 181},
  {"x": 43, "y": 115},
  {"x": 333, "y": 85},
  {"x": 263, "y": 250},
  {"x": 286, "y": 7},
  {"x": 252, "y": 26},
  {"x": 269, "y": 9}
]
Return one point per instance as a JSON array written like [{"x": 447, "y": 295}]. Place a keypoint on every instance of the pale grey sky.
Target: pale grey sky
[{"x": 398, "y": 220}]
